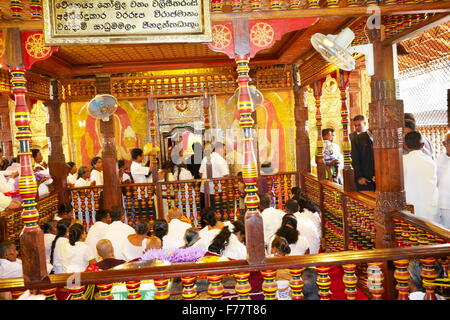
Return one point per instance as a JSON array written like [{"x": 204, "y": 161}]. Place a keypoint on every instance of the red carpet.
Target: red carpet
[{"x": 337, "y": 285}]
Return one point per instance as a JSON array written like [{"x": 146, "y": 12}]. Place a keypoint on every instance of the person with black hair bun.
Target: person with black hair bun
[
  {"x": 136, "y": 244},
  {"x": 298, "y": 243},
  {"x": 76, "y": 255},
  {"x": 211, "y": 229},
  {"x": 65, "y": 211},
  {"x": 227, "y": 244},
  {"x": 191, "y": 236},
  {"x": 271, "y": 216},
  {"x": 60, "y": 240},
  {"x": 98, "y": 229},
  {"x": 160, "y": 228},
  {"x": 280, "y": 248},
  {"x": 49, "y": 229}
]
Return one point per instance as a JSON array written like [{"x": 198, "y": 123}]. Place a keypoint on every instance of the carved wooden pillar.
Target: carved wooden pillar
[
  {"x": 321, "y": 170},
  {"x": 112, "y": 195},
  {"x": 253, "y": 220},
  {"x": 348, "y": 172},
  {"x": 386, "y": 123},
  {"x": 56, "y": 160},
  {"x": 5, "y": 128},
  {"x": 32, "y": 238},
  {"x": 354, "y": 93},
  {"x": 302, "y": 149}
]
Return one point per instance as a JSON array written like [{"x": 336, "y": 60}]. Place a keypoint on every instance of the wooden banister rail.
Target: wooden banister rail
[
  {"x": 418, "y": 222},
  {"x": 236, "y": 266}
]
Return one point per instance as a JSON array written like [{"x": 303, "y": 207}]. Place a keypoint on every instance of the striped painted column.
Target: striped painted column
[{"x": 317, "y": 89}]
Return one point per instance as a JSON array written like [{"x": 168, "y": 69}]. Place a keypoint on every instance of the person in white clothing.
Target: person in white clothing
[
  {"x": 84, "y": 178},
  {"x": 211, "y": 229},
  {"x": 298, "y": 243},
  {"x": 416, "y": 289},
  {"x": 182, "y": 173},
  {"x": 42, "y": 173},
  {"x": 76, "y": 255},
  {"x": 227, "y": 244},
  {"x": 219, "y": 168},
  {"x": 98, "y": 229},
  {"x": 60, "y": 240},
  {"x": 271, "y": 217},
  {"x": 72, "y": 174},
  {"x": 191, "y": 236},
  {"x": 139, "y": 172},
  {"x": 305, "y": 226},
  {"x": 7, "y": 181},
  {"x": 123, "y": 176},
  {"x": 443, "y": 182},
  {"x": 420, "y": 177},
  {"x": 136, "y": 244},
  {"x": 311, "y": 211},
  {"x": 7, "y": 203},
  {"x": 332, "y": 155},
  {"x": 177, "y": 228},
  {"x": 97, "y": 171},
  {"x": 49, "y": 230},
  {"x": 10, "y": 266},
  {"x": 118, "y": 231}
]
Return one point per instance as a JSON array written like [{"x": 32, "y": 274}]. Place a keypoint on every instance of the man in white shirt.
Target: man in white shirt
[
  {"x": 305, "y": 226},
  {"x": 99, "y": 229},
  {"x": 420, "y": 177},
  {"x": 219, "y": 168},
  {"x": 139, "y": 172},
  {"x": 271, "y": 217},
  {"x": 118, "y": 231},
  {"x": 174, "y": 238},
  {"x": 443, "y": 180},
  {"x": 10, "y": 266}
]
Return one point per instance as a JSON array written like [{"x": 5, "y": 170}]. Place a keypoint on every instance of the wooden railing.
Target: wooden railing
[
  {"x": 11, "y": 223},
  {"x": 239, "y": 269},
  {"x": 152, "y": 200}
]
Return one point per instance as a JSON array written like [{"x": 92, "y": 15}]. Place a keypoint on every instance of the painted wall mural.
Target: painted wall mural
[
  {"x": 275, "y": 129},
  {"x": 131, "y": 130}
]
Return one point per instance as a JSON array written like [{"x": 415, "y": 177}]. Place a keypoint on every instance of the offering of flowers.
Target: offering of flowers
[
  {"x": 181, "y": 255},
  {"x": 40, "y": 176}
]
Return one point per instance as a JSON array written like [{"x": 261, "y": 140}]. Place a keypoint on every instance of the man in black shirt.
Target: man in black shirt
[{"x": 362, "y": 161}]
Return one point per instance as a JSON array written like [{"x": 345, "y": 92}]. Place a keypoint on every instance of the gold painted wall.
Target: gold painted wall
[
  {"x": 275, "y": 124},
  {"x": 131, "y": 130}
]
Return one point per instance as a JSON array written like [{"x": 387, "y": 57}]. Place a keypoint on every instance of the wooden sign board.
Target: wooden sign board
[{"x": 126, "y": 21}]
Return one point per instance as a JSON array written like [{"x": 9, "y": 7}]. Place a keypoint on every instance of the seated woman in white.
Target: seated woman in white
[
  {"x": 280, "y": 248},
  {"x": 97, "y": 171},
  {"x": 228, "y": 244},
  {"x": 299, "y": 244},
  {"x": 76, "y": 255},
  {"x": 60, "y": 240},
  {"x": 136, "y": 244},
  {"x": 211, "y": 230},
  {"x": 84, "y": 178}
]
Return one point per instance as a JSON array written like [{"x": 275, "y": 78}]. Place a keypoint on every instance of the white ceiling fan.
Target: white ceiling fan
[{"x": 337, "y": 50}]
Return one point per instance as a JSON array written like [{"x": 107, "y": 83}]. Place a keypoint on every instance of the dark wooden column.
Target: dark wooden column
[
  {"x": 112, "y": 195},
  {"x": 302, "y": 147},
  {"x": 32, "y": 238},
  {"x": 56, "y": 159},
  {"x": 5, "y": 128},
  {"x": 386, "y": 123}
]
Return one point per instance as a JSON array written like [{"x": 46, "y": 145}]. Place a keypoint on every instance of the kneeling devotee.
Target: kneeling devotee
[
  {"x": 118, "y": 231},
  {"x": 105, "y": 250},
  {"x": 420, "y": 179}
]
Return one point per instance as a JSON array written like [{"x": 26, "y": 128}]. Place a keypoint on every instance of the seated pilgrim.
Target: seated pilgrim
[
  {"x": 177, "y": 228},
  {"x": 136, "y": 244},
  {"x": 76, "y": 255},
  {"x": 41, "y": 173},
  {"x": 305, "y": 226},
  {"x": 49, "y": 229},
  {"x": 7, "y": 181},
  {"x": 84, "y": 178},
  {"x": 416, "y": 289},
  {"x": 271, "y": 217},
  {"x": 105, "y": 250},
  {"x": 191, "y": 236},
  {"x": 298, "y": 243},
  {"x": 160, "y": 229},
  {"x": 7, "y": 203},
  {"x": 211, "y": 229},
  {"x": 280, "y": 248},
  {"x": 10, "y": 265},
  {"x": 98, "y": 230},
  {"x": 60, "y": 240},
  {"x": 309, "y": 210},
  {"x": 139, "y": 172},
  {"x": 65, "y": 211},
  {"x": 118, "y": 231},
  {"x": 228, "y": 242},
  {"x": 72, "y": 174}
]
